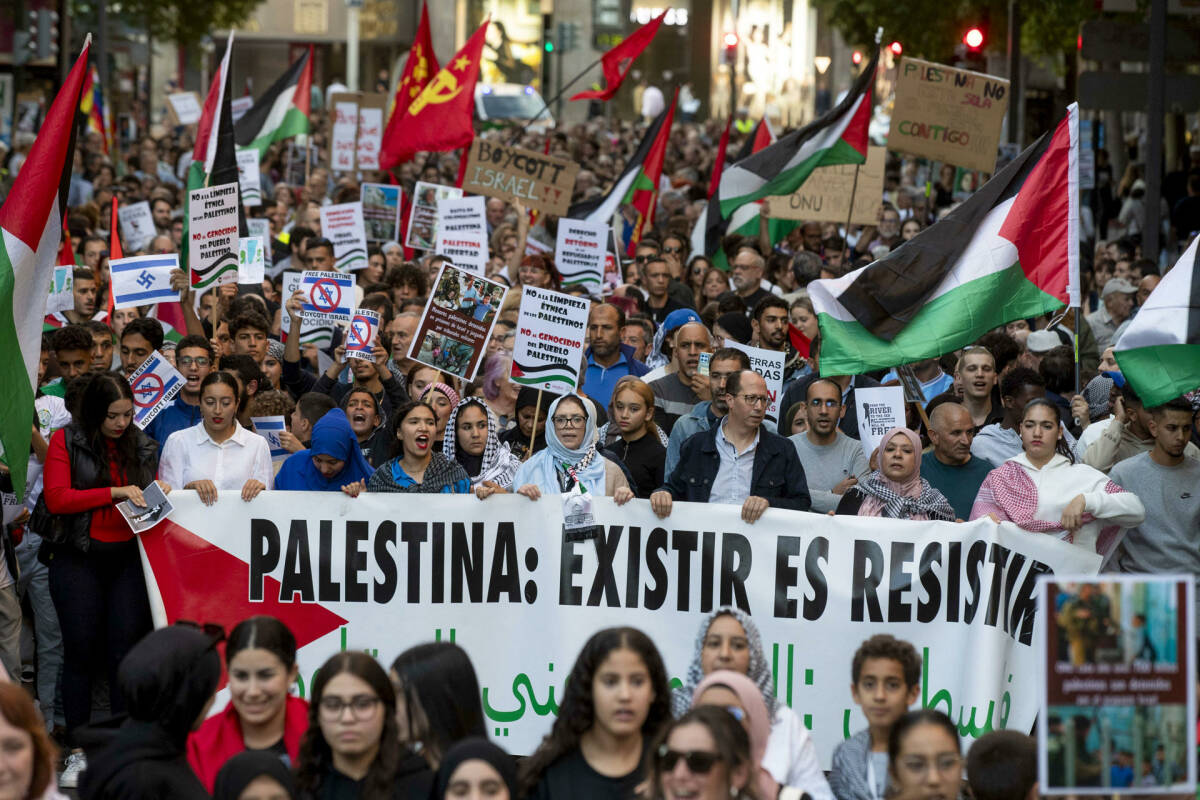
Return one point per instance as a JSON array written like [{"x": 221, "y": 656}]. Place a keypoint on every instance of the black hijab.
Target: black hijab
[
  {"x": 244, "y": 768},
  {"x": 468, "y": 750},
  {"x": 168, "y": 677}
]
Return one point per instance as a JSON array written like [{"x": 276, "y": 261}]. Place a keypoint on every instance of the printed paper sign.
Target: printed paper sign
[
  {"x": 249, "y": 178},
  {"x": 457, "y": 322},
  {"x": 269, "y": 428},
  {"x": 185, "y": 106},
  {"x": 422, "y": 221},
  {"x": 329, "y": 296},
  {"x": 769, "y": 364},
  {"x": 947, "y": 114},
  {"x": 137, "y": 225},
  {"x": 360, "y": 340},
  {"x": 381, "y": 212},
  {"x": 370, "y": 137},
  {"x": 550, "y": 339},
  {"x": 154, "y": 385},
  {"x": 252, "y": 267},
  {"x": 825, "y": 196},
  {"x": 343, "y": 225},
  {"x": 462, "y": 232},
  {"x": 238, "y": 106},
  {"x": 879, "y": 410},
  {"x": 312, "y": 330},
  {"x": 345, "y": 130},
  {"x": 1118, "y": 704},
  {"x": 580, "y": 253},
  {"x": 143, "y": 280},
  {"x": 539, "y": 181},
  {"x": 213, "y": 235},
  {"x": 62, "y": 290},
  {"x": 142, "y": 518},
  {"x": 261, "y": 228}
]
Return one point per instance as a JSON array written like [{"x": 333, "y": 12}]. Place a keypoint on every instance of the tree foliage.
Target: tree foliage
[{"x": 184, "y": 22}]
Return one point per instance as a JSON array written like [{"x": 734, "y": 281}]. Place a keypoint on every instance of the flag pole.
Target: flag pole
[
  {"x": 548, "y": 103},
  {"x": 850, "y": 212},
  {"x": 533, "y": 432}
]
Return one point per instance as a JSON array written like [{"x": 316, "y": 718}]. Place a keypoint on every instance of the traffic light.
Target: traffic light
[
  {"x": 568, "y": 37},
  {"x": 549, "y": 45},
  {"x": 856, "y": 57},
  {"x": 39, "y": 41},
  {"x": 729, "y": 48},
  {"x": 974, "y": 39},
  {"x": 896, "y": 48}
]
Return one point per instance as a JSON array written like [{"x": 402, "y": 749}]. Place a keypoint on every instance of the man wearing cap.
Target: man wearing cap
[
  {"x": 1117, "y": 298},
  {"x": 682, "y": 387},
  {"x": 1038, "y": 343}
]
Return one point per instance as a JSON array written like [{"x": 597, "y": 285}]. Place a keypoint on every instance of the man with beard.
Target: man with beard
[
  {"x": 677, "y": 392},
  {"x": 770, "y": 326},
  {"x": 608, "y": 360},
  {"x": 833, "y": 462},
  {"x": 746, "y": 273},
  {"x": 725, "y": 361},
  {"x": 953, "y": 471}
]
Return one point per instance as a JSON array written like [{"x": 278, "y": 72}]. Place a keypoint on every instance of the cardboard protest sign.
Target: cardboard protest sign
[
  {"x": 550, "y": 339},
  {"x": 539, "y": 181},
  {"x": 457, "y": 322},
  {"x": 422, "y": 221},
  {"x": 462, "y": 232},
  {"x": 184, "y": 107},
  {"x": 879, "y": 410},
  {"x": 269, "y": 428},
  {"x": 213, "y": 235},
  {"x": 154, "y": 384},
  {"x": 137, "y": 225},
  {"x": 344, "y": 133},
  {"x": 947, "y": 114},
  {"x": 370, "y": 130},
  {"x": 356, "y": 133},
  {"x": 313, "y": 330},
  {"x": 343, "y": 225},
  {"x": 142, "y": 518},
  {"x": 769, "y": 364},
  {"x": 360, "y": 341},
  {"x": 825, "y": 196},
  {"x": 249, "y": 177},
  {"x": 143, "y": 280},
  {"x": 329, "y": 296},
  {"x": 580, "y": 253},
  {"x": 252, "y": 266},
  {"x": 381, "y": 211},
  {"x": 62, "y": 290},
  {"x": 1118, "y": 689}
]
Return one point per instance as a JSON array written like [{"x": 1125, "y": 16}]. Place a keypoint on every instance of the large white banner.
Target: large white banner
[{"x": 385, "y": 572}]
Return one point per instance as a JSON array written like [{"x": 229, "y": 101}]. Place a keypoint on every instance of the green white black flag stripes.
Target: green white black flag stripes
[
  {"x": 31, "y": 221},
  {"x": 281, "y": 111},
  {"x": 1159, "y": 353}
]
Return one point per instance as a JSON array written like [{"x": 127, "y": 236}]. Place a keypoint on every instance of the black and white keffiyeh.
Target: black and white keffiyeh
[{"x": 498, "y": 463}]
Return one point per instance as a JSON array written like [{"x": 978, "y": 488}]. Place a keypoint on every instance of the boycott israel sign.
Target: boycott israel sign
[
  {"x": 360, "y": 340},
  {"x": 154, "y": 384},
  {"x": 462, "y": 232},
  {"x": 548, "y": 347},
  {"x": 947, "y": 114},
  {"x": 457, "y": 322},
  {"x": 343, "y": 225},
  {"x": 213, "y": 235},
  {"x": 580, "y": 251},
  {"x": 328, "y": 296},
  {"x": 825, "y": 196},
  {"x": 539, "y": 181},
  {"x": 382, "y": 573}
]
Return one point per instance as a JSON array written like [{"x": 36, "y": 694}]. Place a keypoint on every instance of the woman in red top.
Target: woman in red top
[
  {"x": 261, "y": 658},
  {"x": 96, "y": 581}
]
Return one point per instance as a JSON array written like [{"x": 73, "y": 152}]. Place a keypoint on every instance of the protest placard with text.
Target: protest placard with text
[
  {"x": 459, "y": 315},
  {"x": 313, "y": 330},
  {"x": 422, "y": 221},
  {"x": 343, "y": 225},
  {"x": 185, "y": 107},
  {"x": 213, "y": 235},
  {"x": 137, "y": 225},
  {"x": 360, "y": 339},
  {"x": 249, "y": 177},
  {"x": 825, "y": 196},
  {"x": 238, "y": 107},
  {"x": 370, "y": 130},
  {"x": 769, "y": 364},
  {"x": 550, "y": 338},
  {"x": 154, "y": 385},
  {"x": 344, "y": 133},
  {"x": 580, "y": 253},
  {"x": 328, "y": 296},
  {"x": 539, "y": 181},
  {"x": 880, "y": 409},
  {"x": 462, "y": 232}
]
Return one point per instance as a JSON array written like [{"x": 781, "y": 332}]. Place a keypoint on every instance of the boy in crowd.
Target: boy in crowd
[
  {"x": 886, "y": 679},
  {"x": 309, "y": 408},
  {"x": 1002, "y": 765}
]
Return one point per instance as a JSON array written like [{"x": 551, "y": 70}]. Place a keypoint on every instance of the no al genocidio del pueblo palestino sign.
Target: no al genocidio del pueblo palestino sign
[
  {"x": 539, "y": 181},
  {"x": 380, "y": 573}
]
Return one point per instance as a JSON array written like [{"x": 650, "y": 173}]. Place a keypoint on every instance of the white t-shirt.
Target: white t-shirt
[{"x": 791, "y": 756}]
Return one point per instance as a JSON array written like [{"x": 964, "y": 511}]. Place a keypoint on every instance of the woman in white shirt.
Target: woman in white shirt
[{"x": 218, "y": 453}]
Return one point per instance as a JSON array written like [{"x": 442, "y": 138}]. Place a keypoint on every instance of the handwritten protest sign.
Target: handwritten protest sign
[
  {"x": 948, "y": 114},
  {"x": 62, "y": 290},
  {"x": 422, "y": 222},
  {"x": 549, "y": 342},
  {"x": 343, "y": 225},
  {"x": 360, "y": 341},
  {"x": 184, "y": 107},
  {"x": 328, "y": 296},
  {"x": 580, "y": 253},
  {"x": 381, "y": 212},
  {"x": 269, "y": 428},
  {"x": 539, "y": 181},
  {"x": 249, "y": 177},
  {"x": 457, "y": 322},
  {"x": 825, "y": 196},
  {"x": 879, "y": 410},
  {"x": 252, "y": 266},
  {"x": 213, "y": 235},
  {"x": 154, "y": 384},
  {"x": 462, "y": 232},
  {"x": 356, "y": 132},
  {"x": 143, "y": 280},
  {"x": 137, "y": 225},
  {"x": 344, "y": 134},
  {"x": 370, "y": 130},
  {"x": 769, "y": 364}
]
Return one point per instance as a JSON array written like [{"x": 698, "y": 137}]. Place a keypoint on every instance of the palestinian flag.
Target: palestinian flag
[
  {"x": 1159, "y": 352},
  {"x": 1009, "y": 252},
  {"x": 643, "y": 193},
  {"x": 839, "y": 137},
  {"x": 281, "y": 112},
  {"x": 31, "y": 229}
]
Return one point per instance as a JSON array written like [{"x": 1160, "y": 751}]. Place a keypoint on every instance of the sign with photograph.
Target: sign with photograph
[
  {"x": 137, "y": 224},
  {"x": 62, "y": 290},
  {"x": 458, "y": 319},
  {"x": 539, "y": 181},
  {"x": 381, "y": 211},
  {"x": 422, "y": 220},
  {"x": 550, "y": 338}
]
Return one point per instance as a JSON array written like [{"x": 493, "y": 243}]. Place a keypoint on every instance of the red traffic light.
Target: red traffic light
[
  {"x": 973, "y": 38},
  {"x": 856, "y": 57},
  {"x": 896, "y": 48},
  {"x": 731, "y": 39}
]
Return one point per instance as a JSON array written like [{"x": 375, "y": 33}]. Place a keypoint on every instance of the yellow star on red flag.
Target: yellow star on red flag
[{"x": 461, "y": 63}]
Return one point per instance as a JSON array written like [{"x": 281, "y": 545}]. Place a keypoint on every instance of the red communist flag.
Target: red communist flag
[
  {"x": 422, "y": 65},
  {"x": 440, "y": 117},
  {"x": 617, "y": 61}
]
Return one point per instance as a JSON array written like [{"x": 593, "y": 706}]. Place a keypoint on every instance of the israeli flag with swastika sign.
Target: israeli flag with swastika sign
[{"x": 143, "y": 280}]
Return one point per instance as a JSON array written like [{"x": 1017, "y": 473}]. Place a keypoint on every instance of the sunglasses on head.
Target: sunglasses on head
[
  {"x": 698, "y": 762},
  {"x": 210, "y": 629}
]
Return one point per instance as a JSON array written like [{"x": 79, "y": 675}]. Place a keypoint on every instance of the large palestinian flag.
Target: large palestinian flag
[
  {"x": 838, "y": 137},
  {"x": 282, "y": 111},
  {"x": 1009, "y": 252},
  {"x": 1159, "y": 352},
  {"x": 31, "y": 229}
]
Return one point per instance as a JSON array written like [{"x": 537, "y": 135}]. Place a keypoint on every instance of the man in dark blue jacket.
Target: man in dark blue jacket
[{"x": 738, "y": 461}]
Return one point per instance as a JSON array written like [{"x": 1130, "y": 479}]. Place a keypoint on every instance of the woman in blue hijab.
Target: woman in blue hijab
[
  {"x": 571, "y": 457},
  {"x": 332, "y": 462}
]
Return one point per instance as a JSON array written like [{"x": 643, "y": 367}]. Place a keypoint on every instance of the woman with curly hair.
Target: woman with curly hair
[{"x": 615, "y": 704}]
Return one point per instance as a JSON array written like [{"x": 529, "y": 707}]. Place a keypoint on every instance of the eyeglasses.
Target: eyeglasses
[
  {"x": 199, "y": 361},
  {"x": 755, "y": 399},
  {"x": 576, "y": 421},
  {"x": 672, "y": 251},
  {"x": 212, "y": 630},
  {"x": 817, "y": 402},
  {"x": 698, "y": 762},
  {"x": 643, "y": 259},
  {"x": 362, "y": 706},
  {"x": 945, "y": 763}
]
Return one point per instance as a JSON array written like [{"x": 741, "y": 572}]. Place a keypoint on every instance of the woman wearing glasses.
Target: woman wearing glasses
[
  {"x": 705, "y": 755},
  {"x": 924, "y": 759},
  {"x": 570, "y": 459},
  {"x": 351, "y": 749},
  {"x": 737, "y": 694}
]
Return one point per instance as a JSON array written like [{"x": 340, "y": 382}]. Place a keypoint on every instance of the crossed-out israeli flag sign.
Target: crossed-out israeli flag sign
[
  {"x": 269, "y": 428},
  {"x": 143, "y": 280}
]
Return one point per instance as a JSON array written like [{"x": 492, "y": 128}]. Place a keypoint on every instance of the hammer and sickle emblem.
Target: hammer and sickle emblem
[{"x": 442, "y": 89}]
